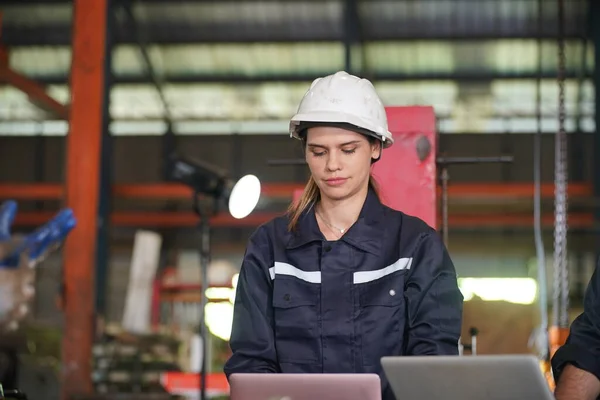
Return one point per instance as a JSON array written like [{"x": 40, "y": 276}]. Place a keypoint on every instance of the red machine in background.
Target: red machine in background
[{"x": 406, "y": 172}]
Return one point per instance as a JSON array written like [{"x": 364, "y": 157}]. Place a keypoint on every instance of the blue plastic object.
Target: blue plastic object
[
  {"x": 8, "y": 211},
  {"x": 37, "y": 243}
]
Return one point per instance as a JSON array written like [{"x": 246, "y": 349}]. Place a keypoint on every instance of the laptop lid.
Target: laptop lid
[
  {"x": 490, "y": 377},
  {"x": 304, "y": 387}
]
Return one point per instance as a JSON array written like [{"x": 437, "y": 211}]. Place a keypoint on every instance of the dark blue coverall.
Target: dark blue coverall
[
  {"x": 582, "y": 348},
  {"x": 308, "y": 305}
]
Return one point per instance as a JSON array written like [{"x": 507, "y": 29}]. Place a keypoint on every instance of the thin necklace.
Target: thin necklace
[{"x": 342, "y": 231}]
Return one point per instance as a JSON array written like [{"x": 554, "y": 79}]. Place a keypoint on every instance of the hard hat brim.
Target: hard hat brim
[{"x": 339, "y": 117}]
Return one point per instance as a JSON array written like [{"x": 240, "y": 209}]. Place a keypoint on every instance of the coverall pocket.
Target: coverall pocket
[
  {"x": 381, "y": 317},
  {"x": 296, "y": 309}
]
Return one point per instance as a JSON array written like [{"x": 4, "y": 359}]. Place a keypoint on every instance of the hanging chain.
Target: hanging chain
[
  {"x": 561, "y": 272},
  {"x": 541, "y": 340}
]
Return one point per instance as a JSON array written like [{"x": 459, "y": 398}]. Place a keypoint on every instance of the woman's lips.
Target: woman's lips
[{"x": 336, "y": 181}]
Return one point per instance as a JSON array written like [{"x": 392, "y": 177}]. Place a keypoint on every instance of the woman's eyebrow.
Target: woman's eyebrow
[{"x": 341, "y": 145}]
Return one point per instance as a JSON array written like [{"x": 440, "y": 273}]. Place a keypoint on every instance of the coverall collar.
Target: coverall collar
[{"x": 360, "y": 235}]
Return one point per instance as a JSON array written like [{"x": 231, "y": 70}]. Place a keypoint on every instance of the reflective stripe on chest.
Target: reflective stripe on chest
[{"x": 281, "y": 268}]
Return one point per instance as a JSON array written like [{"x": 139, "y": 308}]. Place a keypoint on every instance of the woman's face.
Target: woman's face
[{"x": 339, "y": 160}]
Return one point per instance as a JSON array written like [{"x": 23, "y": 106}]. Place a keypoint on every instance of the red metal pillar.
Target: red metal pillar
[{"x": 82, "y": 191}]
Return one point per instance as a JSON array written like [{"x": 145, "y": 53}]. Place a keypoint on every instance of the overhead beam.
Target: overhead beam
[
  {"x": 461, "y": 77},
  {"x": 35, "y": 91},
  {"x": 84, "y": 144},
  {"x": 170, "y": 34},
  {"x": 242, "y": 32}
]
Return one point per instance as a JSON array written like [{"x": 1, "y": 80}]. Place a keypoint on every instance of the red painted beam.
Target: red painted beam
[
  {"x": 161, "y": 191},
  {"x": 175, "y": 191},
  {"x": 35, "y": 91},
  {"x": 512, "y": 190},
  {"x": 170, "y": 191},
  {"x": 178, "y": 219},
  {"x": 82, "y": 193},
  {"x": 36, "y": 191},
  {"x": 3, "y": 50},
  {"x": 167, "y": 219},
  {"x": 515, "y": 220}
]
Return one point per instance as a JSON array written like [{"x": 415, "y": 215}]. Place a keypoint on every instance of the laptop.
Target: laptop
[
  {"x": 305, "y": 387},
  {"x": 489, "y": 377}
]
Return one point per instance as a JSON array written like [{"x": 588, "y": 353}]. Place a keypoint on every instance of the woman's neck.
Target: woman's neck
[{"x": 342, "y": 214}]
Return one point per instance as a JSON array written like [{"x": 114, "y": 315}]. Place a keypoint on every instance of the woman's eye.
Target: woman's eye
[
  {"x": 318, "y": 154},
  {"x": 352, "y": 151}
]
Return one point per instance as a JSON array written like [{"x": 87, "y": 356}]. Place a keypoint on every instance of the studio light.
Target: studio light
[
  {"x": 244, "y": 196},
  {"x": 211, "y": 181}
]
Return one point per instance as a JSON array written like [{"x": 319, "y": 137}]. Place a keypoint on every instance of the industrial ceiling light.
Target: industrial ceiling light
[{"x": 242, "y": 197}]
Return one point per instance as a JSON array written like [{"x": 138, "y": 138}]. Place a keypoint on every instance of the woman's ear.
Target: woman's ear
[{"x": 376, "y": 149}]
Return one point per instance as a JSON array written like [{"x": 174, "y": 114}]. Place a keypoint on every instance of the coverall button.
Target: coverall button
[
  {"x": 327, "y": 248},
  {"x": 392, "y": 292},
  {"x": 287, "y": 297}
]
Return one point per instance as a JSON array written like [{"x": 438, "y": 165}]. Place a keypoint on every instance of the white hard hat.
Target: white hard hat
[{"x": 343, "y": 98}]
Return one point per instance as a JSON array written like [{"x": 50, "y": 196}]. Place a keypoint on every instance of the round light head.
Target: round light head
[{"x": 244, "y": 196}]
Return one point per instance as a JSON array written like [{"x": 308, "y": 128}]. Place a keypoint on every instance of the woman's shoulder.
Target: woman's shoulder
[
  {"x": 406, "y": 222},
  {"x": 271, "y": 230}
]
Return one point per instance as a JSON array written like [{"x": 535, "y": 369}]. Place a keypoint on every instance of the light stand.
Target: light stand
[
  {"x": 210, "y": 181},
  {"x": 204, "y": 229}
]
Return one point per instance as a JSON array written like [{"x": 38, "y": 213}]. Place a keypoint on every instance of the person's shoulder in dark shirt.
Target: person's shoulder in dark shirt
[{"x": 582, "y": 348}]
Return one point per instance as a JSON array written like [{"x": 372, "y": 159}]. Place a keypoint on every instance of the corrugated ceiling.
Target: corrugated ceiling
[
  {"x": 451, "y": 60},
  {"x": 209, "y": 21}
]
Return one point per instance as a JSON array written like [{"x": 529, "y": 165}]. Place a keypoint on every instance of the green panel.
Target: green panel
[
  {"x": 493, "y": 56},
  {"x": 443, "y": 58}
]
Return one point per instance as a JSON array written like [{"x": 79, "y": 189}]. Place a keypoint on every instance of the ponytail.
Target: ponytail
[{"x": 309, "y": 197}]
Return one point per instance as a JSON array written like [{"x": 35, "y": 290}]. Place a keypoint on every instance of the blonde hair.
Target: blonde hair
[{"x": 309, "y": 197}]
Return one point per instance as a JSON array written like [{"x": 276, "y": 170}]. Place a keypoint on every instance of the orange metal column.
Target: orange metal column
[{"x": 82, "y": 192}]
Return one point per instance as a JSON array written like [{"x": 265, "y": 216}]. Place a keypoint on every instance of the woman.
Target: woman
[{"x": 342, "y": 280}]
